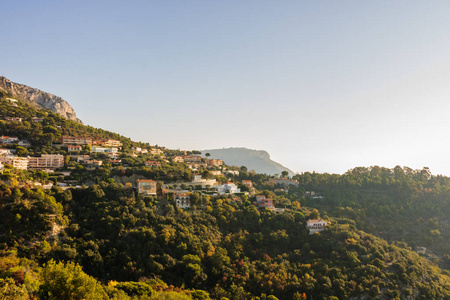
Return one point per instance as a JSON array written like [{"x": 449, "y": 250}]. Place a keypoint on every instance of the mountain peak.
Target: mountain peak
[
  {"x": 37, "y": 98},
  {"x": 258, "y": 160}
]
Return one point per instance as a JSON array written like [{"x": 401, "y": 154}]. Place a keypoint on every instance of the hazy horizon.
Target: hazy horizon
[{"x": 321, "y": 86}]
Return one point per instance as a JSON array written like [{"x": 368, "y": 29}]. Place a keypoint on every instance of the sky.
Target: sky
[{"x": 323, "y": 86}]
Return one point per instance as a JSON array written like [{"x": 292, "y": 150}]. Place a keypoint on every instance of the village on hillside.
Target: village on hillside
[{"x": 210, "y": 178}]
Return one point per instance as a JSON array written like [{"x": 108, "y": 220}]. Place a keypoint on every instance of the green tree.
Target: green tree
[
  {"x": 21, "y": 151},
  {"x": 68, "y": 282},
  {"x": 135, "y": 288},
  {"x": 10, "y": 291},
  {"x": 200, "y": 295}
]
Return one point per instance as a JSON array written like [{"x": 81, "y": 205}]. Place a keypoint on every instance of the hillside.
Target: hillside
[
  {"x": 37, "y": 98},
  {"x": 257, "y": 160},
  {"x": 399, "y": 204},
  {"x": 233, "y": 251},
  {"x": 84, "y": 229}
]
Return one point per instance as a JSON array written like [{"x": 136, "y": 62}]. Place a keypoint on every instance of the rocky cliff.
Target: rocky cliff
[
  {"x": 37, "y": 98},
  {"x": 258, "y": 160}
]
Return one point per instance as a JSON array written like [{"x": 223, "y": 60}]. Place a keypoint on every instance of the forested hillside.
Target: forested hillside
[
  {"x": 397, "y": 204},
  {"x": 50, "y": 130},
  {"x": 232, "y": 251},
  {"x": 87, "y": 232}
]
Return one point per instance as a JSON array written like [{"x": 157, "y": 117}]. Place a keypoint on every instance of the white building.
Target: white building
[
  {"x": 313, "y": 195},
  {"x": 37, "y": 119},
  {"x": 315, "y": 225},
  {"x": 233, "y": 172},
  {"x": 13, "y": 119},
  {"x": 112, "y": 143},
  {"x": 72, "y": 148},
  {"x": 97, "y": 149},
  {"x": 20, "y": 163},
  {"x": 47, "y": 186},
  {"x": 9, "y": 139},
  {"x": 198, "y": 180},
  {"x": 5, "y": 152},
  {"x": 228, "y": 187},
  {"x": 24, "y": 143}
]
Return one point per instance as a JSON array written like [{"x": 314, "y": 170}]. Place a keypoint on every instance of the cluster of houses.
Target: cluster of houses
[
  {"x": 74, "y": 145},
  {"x": 182, "y": 198},
  {"x": 44, "y": 162},
  {"x": 112, "y": 148},
  {"x": 195, "y": 162},
  {"x": 51, "y": 162},
  {"x": 153, "y": 151},
  {"x": 109, "y": 147}
]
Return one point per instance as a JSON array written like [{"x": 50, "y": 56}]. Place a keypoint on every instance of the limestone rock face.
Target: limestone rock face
[
  {"x": 38, "y": 98},
  {"x": 258, "y": 160}
]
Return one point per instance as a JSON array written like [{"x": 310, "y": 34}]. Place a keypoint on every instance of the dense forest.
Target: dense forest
[
  {"x": 104, "y": 240},
  {"x": 397, "y": 204}
]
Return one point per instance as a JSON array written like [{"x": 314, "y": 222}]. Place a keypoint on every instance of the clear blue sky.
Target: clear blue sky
[{"x": 321, "y": 85}]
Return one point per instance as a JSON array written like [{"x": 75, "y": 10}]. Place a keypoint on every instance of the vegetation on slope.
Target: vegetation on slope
[
  {"x": 103, "y": 240},
  {"x": 397, "y": 204},
  {"x": 233, "y": 251}
]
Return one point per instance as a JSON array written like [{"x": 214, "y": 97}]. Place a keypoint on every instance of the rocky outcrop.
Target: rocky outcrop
[{"x": 37, "y": 98}]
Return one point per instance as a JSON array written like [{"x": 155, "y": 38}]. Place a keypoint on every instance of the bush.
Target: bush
[{"x": 68, "y": 282}]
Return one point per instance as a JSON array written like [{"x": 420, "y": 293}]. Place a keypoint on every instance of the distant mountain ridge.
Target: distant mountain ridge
[
  {"x": 258, "y": 160},
  {"x": 37, "y": 98}
]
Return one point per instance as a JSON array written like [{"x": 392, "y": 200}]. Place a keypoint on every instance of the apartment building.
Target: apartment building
[
  {"x": 74, "y": 140},
  {"x": 146, "y": 186},
  {"x": 46, "y": 161}
]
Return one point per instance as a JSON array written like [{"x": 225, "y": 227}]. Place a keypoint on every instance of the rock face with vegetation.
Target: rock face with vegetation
[
  {"x": 257, "y": 160},
  {"x": 37, "y": 98}
]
